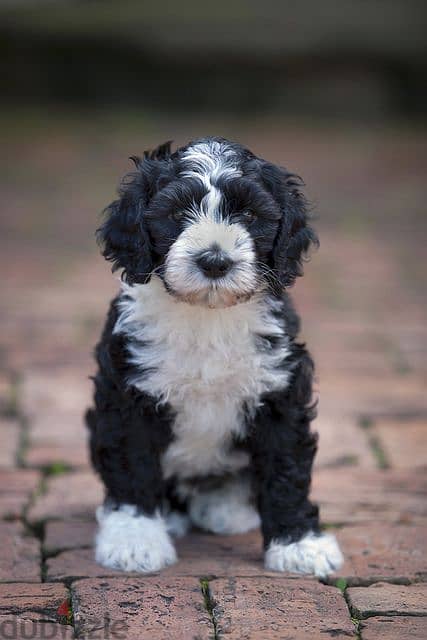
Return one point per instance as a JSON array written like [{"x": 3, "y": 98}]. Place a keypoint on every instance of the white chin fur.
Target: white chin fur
[
  {"x": 132, "y": 542},
  {"x": 213, "y": 298},
  {"x": 313, "y": 554}
]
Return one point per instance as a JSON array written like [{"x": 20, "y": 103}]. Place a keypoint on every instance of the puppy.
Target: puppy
[{"x": 203, "y": 396}]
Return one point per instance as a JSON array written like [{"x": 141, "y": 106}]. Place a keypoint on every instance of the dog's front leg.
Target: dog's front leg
[
  {"x": 283, "y": 450},
  {"x": 126, "y": 444}
]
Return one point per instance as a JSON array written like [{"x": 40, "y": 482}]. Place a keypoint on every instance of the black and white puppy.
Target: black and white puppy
[{"x": 203, "y": 396}]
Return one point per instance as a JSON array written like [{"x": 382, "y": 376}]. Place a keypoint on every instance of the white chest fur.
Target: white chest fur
[{"x": 208, "y": 365}]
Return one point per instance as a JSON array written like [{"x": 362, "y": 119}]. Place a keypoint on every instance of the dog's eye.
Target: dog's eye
[
  {"x": 248, "y": 216},
  {"x": 176, "y": 216}
]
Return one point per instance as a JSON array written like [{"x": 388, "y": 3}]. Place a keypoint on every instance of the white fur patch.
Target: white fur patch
[
  {"x": 208, "y": 365},
  {"x": 187, "y": 280},
  {"x": 177, "y": 524},
  {"x": 227, "y": 510},
  {"x": 208, "y": 161},
  {"x": 314, "y": 554},
  {"x": 132, "y": 542}
]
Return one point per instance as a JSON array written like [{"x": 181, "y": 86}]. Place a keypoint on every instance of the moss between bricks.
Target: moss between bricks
[
  {"x": 379, "y": 453},
  {"x": 341, "y": 584},
  {"x": 365, "y": 422},
  {"x": 56, "y": 468},
  {"x": 11, "y": 404},
  {"x": 356, "y": 623},
  {"x": 209, "y": 604},
  {"x": 368, "y": 424},
  {"x": 12, "y": 410}
]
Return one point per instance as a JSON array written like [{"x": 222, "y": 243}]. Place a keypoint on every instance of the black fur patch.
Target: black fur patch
[{"x": 129, "y": 431}]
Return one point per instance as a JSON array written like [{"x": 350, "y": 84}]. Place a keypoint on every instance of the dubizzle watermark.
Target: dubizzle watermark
[
  {"x": 19, "y": 628},
  {"x": 15, "y": 628}
]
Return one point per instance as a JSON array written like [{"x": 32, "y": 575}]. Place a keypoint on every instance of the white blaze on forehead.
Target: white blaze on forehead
[
  {"x": 211, "y": 204},
  {"x": 208, "y": 162}
]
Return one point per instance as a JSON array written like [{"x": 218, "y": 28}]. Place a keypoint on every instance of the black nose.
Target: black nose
[{"x": 214, "y": 263}]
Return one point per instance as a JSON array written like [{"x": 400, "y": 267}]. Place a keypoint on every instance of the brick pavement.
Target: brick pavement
[{"x": 364, "y": 318}]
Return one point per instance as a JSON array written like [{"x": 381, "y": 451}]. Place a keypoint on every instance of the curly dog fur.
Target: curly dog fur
[{"x": 203, "y": 395}]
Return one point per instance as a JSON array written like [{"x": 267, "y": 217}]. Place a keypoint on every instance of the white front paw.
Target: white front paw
[
  {"x": 132, "y": 542},
  {"x": 313, "y": 554}
]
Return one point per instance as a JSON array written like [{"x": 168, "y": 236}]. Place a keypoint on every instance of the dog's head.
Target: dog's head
[{"x": 215, "y": 222}]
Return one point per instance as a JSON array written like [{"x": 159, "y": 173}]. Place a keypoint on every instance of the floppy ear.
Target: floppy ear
[
  {"x": 294, "y": 237},
  {"x": 123, "y": 236}
]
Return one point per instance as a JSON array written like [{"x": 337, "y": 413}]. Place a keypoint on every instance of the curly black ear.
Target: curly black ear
[
  {"x": 295, "y": 236},
  {"x": 123, "y": 236}
]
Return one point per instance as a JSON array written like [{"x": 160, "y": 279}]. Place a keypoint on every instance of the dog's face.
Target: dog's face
[{"x": 213, "y": 221}]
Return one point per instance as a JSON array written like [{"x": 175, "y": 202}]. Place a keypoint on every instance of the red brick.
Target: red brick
[
  {"x": 394, "y": 628},
  {"x": 58, "y": 436},
  {"x": 32, "y": 601},
  {"x": 70, "y": 495},
  {"x": 17, "y": 627},
  {"x": 210, "y": 555},
  {"x": 68, "y": 534},
  {"x": 278, "y": 608},
  {"x": 387, "y": 395},
  {"x": 48, "y": 454},
  {"x": 63, "y": 390},
  {"x": 411, "y": 342},
  {"x": 383, "y": 599},
  {"x": 341, "y": 442},
  {"x": 58, "y": 426},
  {"x": 199, "y": 555},
  {"x": 348, "y": 348},
  {"x": 349, "y": 496},
  {"x": 404, "y": 442},
  {"x": 45, "y": 345},
  {"x": 382, "y": 552},
  {"x": 16, "y": 488},
  {"x": 150, "y": 608},
  {"x": 19, "y": 554},
  {"x": 372, "y": 553},
  {"x": 57, "y": 432},
  {"x": 77, "y": 563},
  {"x": 394, "y": 395},
  {"x": 9, "y": 438}
]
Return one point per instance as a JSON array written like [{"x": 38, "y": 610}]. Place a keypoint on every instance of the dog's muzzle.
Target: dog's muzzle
[
  {"x": 214, "y": 262},
  {"x": 211, "y": 264}
]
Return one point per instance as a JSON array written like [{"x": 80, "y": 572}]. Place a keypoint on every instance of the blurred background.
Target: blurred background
[{"x": 335, "y": 91}]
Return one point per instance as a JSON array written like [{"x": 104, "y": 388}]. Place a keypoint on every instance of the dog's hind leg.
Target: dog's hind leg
[
  {"x": 226, "y": 509},
  {"x": 176, "y": 516}
]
